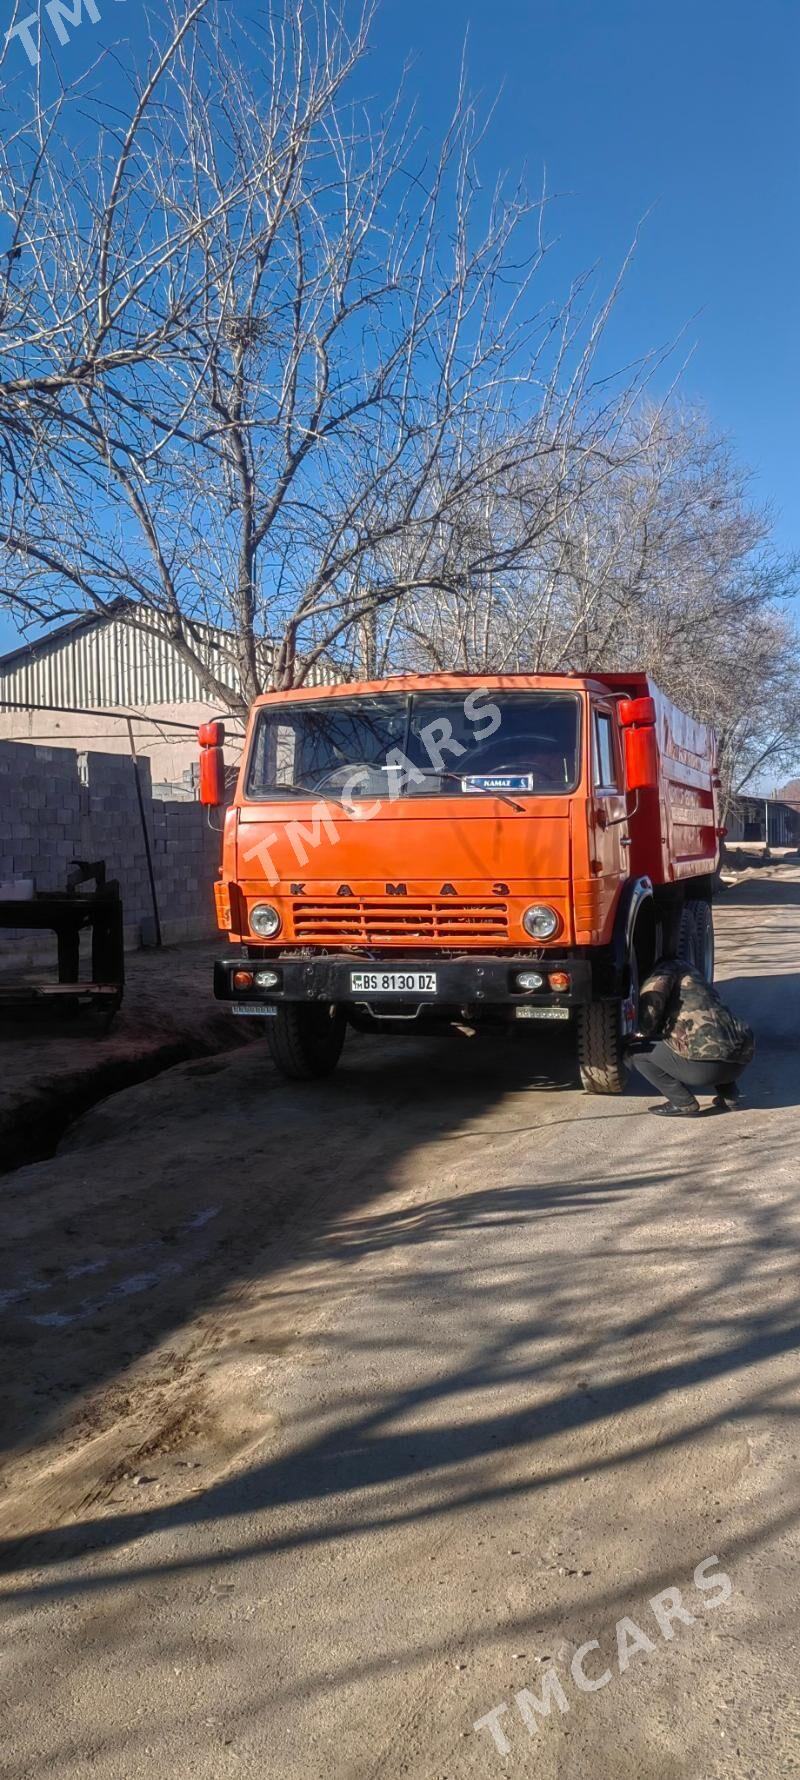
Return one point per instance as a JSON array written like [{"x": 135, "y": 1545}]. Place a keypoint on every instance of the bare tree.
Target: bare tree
[
  {"x": 278, "y": 366},
  {"x": 661, "y": 562},
  {"x": 83, "y": 294},
  {"x": 749, "y": 686},
  {"x": 648, "y": 547},
  {"x": 109, "y": 319},
  {"x": 270, "y": 362}
]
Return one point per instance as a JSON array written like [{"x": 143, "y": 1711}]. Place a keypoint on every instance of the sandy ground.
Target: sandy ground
[{"x": 338, "y": 1417}]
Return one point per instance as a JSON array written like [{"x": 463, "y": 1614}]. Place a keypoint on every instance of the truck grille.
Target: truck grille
[{"x": 373, "y": 921}]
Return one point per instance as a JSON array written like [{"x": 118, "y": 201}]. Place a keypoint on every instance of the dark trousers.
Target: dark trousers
[{"x": 675, "y": 1077}]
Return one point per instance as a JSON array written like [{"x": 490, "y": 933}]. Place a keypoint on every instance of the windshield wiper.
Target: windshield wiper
[
  {"x": 442, "y": 773},
  {"x": 429, "y": 772},
  {"x": 298, "y": 791}
]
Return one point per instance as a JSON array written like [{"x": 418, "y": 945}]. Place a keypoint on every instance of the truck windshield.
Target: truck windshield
[{"x": 430, "y": 744}]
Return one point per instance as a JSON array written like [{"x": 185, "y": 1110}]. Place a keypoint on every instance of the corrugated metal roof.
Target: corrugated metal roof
[{"x": 103, "y": 660}]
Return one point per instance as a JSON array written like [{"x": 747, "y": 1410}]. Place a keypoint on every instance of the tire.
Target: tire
[
  {"x": 685, "y": 947},
  {"x": 601, "y": 1036},
  {"x": 704, "y": 939},
  {"x": 305, "y": 1039},
  {"x": 696, "y": 938},
  {"x": 600, "y": 1047}
]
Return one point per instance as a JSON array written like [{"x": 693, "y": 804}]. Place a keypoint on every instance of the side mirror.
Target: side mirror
[
  {"x": 636, "y": 710},
  {"x": 212, "y": 764},
  {"x": 638, "y": 719},
  {"x": 641, "y": 758}
]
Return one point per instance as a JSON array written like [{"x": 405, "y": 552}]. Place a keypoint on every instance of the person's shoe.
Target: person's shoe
[
  {"x": 675, "y": 1112},
  {"x": 728, "y": 1095},
  {"x": 724, "y": 1103}
]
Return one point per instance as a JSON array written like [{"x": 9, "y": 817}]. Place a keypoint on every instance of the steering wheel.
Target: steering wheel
[{"x": 344, "y": 766}]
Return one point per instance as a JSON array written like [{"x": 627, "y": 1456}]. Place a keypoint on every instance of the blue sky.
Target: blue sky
[
  {"x": 688, "y": 111},
  {"x": 689, "y": 108}
]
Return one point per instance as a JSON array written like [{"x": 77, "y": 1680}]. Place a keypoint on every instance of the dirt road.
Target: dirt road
[{"x": 339, "y": 1420}]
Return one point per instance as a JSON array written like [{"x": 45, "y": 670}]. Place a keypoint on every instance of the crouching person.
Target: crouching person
[{"x": 694, "y": 1042}]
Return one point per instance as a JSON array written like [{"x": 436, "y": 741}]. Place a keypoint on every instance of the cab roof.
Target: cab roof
[{"x": 634, "y": 684}]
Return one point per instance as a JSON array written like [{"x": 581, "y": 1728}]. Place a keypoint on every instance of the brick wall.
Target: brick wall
[{"x": 57, "y": 804}]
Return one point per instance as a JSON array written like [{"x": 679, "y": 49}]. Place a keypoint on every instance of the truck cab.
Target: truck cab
[{"x": 436, "y": 851}]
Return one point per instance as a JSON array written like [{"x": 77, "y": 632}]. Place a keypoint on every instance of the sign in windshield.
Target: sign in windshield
[{"x": 484, "y": 743}]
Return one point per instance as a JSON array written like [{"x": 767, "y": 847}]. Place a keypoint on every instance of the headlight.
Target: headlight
[
  {"x": 540, "y": 922},
  {"x": 264, "y": 920},
  {"x": 267, "y": 979}
]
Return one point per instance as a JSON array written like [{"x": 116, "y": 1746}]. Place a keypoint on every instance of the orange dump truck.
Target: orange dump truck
[{"x": 417, "y": 853}]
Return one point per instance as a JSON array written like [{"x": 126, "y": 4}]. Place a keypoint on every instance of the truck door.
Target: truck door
[{"x": 611, "y": 841}]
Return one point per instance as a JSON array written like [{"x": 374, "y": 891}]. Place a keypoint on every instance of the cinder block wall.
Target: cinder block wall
[{"x": 58, "y": 804}]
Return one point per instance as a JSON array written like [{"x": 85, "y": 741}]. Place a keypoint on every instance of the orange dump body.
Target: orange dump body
[{"x": 455, "y": 873}]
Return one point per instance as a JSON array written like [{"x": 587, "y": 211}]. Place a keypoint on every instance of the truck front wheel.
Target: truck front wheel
[
  {"x": 305, "y": 1039},
  {"x": 600, "y": 1047}
]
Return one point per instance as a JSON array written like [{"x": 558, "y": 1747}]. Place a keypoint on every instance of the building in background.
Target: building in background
[
  {"x": 102, "y": 682},
  {"x": 791, "y": 794},
  {"x": 763, "y": 820}
]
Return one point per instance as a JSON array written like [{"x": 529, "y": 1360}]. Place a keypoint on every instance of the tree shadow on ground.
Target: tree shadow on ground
[
  {"x": 548, "y": 1312},
  {"x": 558, "y": 1307},
  {"x": 170, "y": 1193}
]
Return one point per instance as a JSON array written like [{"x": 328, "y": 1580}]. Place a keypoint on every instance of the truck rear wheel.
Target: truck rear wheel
[
  {"x": 600, "y": 1047},
  {"x": 305, "y": 1039}
]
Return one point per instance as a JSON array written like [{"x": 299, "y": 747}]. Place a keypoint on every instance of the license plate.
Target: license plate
[
  {"x": 393, "y": 982},
  {"x": 253, "y": 1007},
  {"x": 542, "y": 1013}
]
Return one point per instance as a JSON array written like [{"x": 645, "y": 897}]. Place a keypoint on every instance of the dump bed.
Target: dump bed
[{"x": 675, "y": 830}]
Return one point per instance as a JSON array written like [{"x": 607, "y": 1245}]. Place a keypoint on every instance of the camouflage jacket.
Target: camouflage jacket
[{"x": 677, "y": 1005}]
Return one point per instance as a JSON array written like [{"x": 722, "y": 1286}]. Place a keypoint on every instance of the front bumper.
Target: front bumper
[{"x": 464, "y": 982}]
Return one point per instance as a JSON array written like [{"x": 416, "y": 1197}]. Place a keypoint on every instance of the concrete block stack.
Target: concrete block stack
[
  {"x": 42, "y": 805},
  {"x": 57, "y": 804}
]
